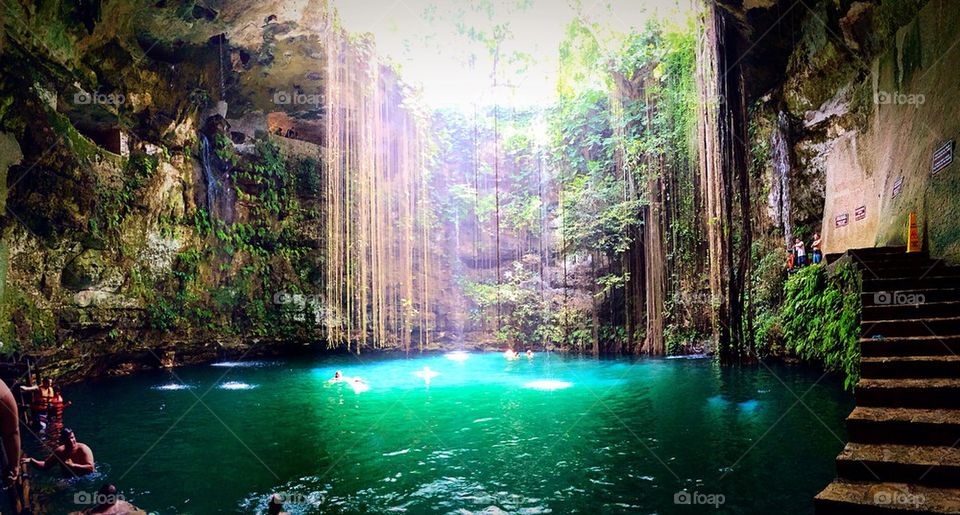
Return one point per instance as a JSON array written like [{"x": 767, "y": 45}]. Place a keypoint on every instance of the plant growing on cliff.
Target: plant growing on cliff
[{"x": 820, "y": 318}]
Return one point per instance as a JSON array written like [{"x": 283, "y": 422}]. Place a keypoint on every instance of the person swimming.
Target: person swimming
[
  {"x": 511, "y": 354},
  {"x": 529, "y": 354},
  {"x": 357, "y": 383},
  {"x": 73, "y": 457}
]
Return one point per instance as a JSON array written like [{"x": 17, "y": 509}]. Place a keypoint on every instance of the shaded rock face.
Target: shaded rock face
[
  {"x": 867, "y": 89},
  {"x": 111, "y": 257},
  {"x": 84, "y": 271}
]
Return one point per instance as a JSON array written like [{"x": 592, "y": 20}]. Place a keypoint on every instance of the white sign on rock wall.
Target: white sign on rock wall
[{"x": 942, "y": 157}]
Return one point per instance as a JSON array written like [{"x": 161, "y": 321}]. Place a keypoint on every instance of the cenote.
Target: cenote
[
  {"x": 554, "y": 434},
  {"x": 727, "y": 230}
]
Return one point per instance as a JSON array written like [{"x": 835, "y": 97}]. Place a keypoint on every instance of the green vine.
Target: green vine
[{"x": 820, "y": 318}]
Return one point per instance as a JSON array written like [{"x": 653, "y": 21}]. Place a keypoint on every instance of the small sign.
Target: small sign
[
  {"x": 942, "y": 157},
  {"x": 897, "y": 187},
  {"x": 860, "y": 213},
  {"x": 841, "y": 220}
]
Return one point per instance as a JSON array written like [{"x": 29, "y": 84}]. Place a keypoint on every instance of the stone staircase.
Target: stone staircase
[{"x": 903, "y": 454}]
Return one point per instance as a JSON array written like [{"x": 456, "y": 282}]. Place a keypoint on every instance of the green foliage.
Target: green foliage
[
  {"x": 526, "y": 315},
  {"x": 228, "y": 283},
  {"x": 820, "y": 318},
  {"x": 766, "y": 294},
  {"x": 117, "y": 201}
]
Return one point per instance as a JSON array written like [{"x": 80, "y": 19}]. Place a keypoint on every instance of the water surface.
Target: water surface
[{"x": 554, "y": 434}]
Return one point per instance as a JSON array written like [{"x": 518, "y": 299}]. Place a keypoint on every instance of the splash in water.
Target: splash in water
[
  {"x": 173, "y": 387},
  {"x": 237, "y": 385},
  {"x": 238, "y": 364},
  {"x": 426, "y": 374},
  {"x": 548, "y": 384},
  {"x": 458, "y": 355}
]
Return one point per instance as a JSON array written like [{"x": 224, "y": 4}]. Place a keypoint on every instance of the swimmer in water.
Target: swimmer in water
[
  {"x": 529, "y": 354},
  {"x": 511, "y": 354},
  {"x": 337, "y": 377},
  {"x": 73, "y": 457}
]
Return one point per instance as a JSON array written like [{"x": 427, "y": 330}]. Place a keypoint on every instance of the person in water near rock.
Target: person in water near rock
[
  {"x": 817, "y": 249},
  {"x": 73, "y": 457},
  {"x": 529, "y": 354},
  {"x": 42, "y": 394},
  {"x": 511, "y": 354},
  {"x": 9, "y": 436},
  {"x": 109, "y": 502},
  {"x": 56, "y": 404}
]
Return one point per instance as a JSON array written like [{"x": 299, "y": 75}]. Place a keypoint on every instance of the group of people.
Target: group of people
[
  {"x": 71, "y": 457},
  {"x": 47, "y": 405},
  {"x": 511, "y": 354},
  {"x": 797, "y": 253}
]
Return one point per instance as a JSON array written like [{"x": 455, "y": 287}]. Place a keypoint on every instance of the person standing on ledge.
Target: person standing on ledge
[
  {"x": 817, "y": 251},
  {"x": 801, "y": 252},
  {"x": 74, "y": 457}
]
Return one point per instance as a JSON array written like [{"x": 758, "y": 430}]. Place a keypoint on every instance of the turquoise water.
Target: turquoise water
[{"x": 554, "y": 434}]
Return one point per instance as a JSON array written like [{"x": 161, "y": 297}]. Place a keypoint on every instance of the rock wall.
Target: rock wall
[
  {"x": 909, "y": 100},
  {"x": 154, "y": 215},
  {"x": 870, "y": 93}
]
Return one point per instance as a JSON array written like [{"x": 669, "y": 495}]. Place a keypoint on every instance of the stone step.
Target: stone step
[
  {"x": 861, "y": 498},
  {"x": 891, "y": 259},
  {"x": 946, "y": 366},
  {"x": 917, "y": 269},
  {"x": 937, "y": 466},
  {"x": 909, "y": 346},
  {"x": 909, "y": 393},
  {"x": 947, "y": 326},
  {"x": 882, "y": 251},
  {"x": 929, "y": 282},
  {"x": 904, "y": 426},
  {"x": 910, "y": 297},
  {"x": 910, "y": 311}
]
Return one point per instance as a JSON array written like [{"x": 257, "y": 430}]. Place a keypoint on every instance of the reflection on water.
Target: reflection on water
[
  {"x": 173, "y": 387},
  {"x": 550, "y": 434}
]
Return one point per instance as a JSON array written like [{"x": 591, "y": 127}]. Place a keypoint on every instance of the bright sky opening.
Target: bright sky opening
[{"x": 447, "y": 48}]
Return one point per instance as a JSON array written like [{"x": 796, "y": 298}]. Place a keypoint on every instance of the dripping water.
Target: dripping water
[
  {"x": 206, "y": 161},
  {"x": 780, "y": 181}
]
